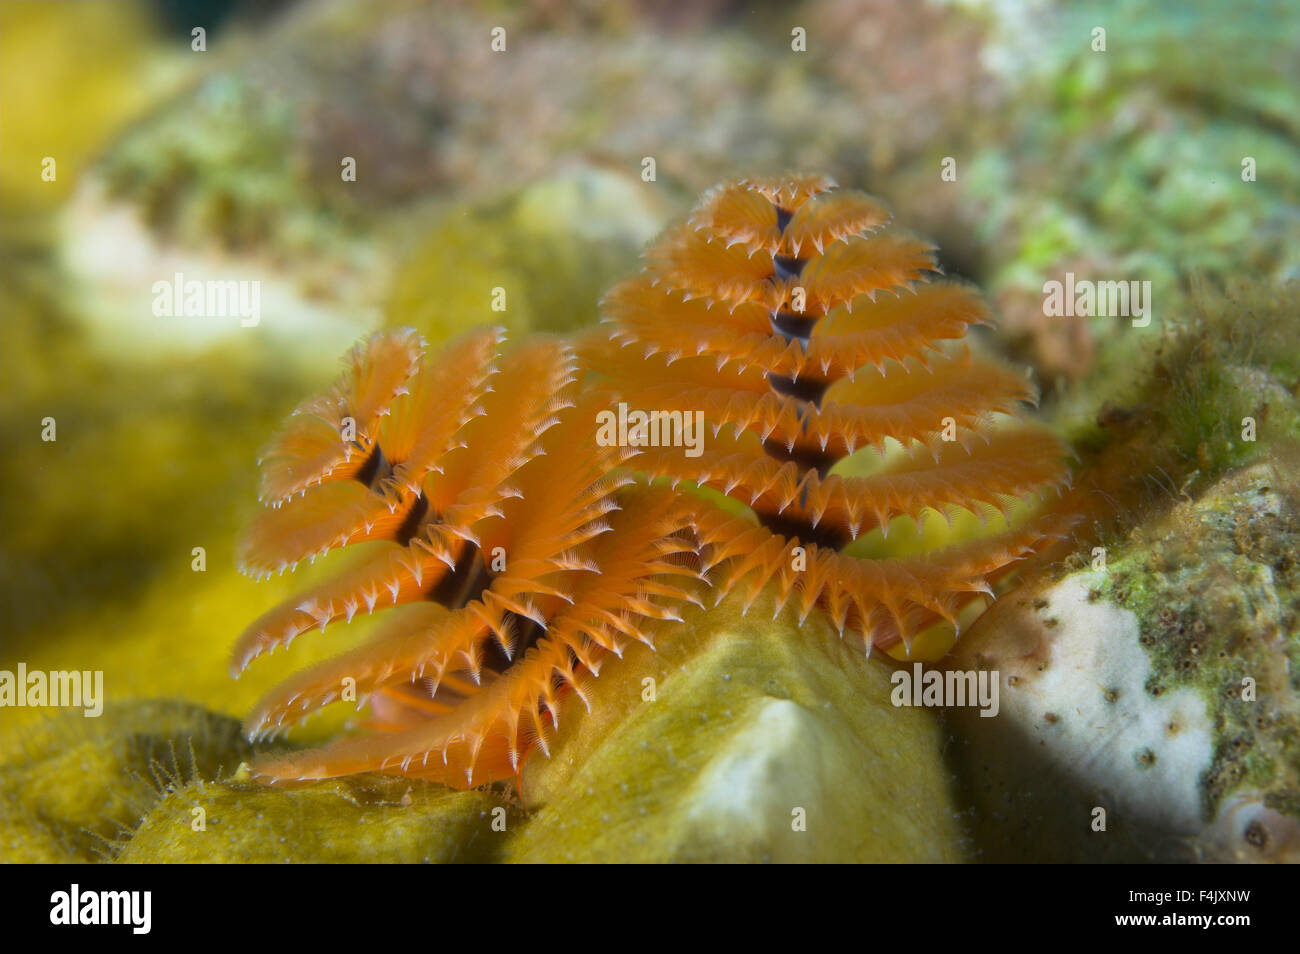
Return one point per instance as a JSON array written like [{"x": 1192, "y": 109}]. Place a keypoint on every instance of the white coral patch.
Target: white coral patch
[
  {"x": 748, "y": 782},
  {"x": 1147, "y": 753}
]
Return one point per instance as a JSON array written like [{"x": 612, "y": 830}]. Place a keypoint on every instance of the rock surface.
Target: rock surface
[
  {"x": 1163, "y": 689},
  {"x": 750, "y": 723},
  {"x": 80, "y": 785},
  {"x": 360, "y": 820},
  {"x": 741, "y": 739}
]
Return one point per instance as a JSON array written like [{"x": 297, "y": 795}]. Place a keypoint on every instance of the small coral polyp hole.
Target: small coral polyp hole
[{"x": 1256, "y": 835}]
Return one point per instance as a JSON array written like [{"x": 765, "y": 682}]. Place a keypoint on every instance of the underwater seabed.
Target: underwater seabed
[
  {"x": 1148, "y": 695},
  {"x": 771, "y": 741}
]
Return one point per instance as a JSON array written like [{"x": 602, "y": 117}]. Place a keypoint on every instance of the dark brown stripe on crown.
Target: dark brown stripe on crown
[
  {"x": 526, "y": 634},
  {"x": 805, "y": 388},
  {"x": 824, "y": 534},
  {"x": 375, "y": 468},
  {"x": 463, "y": 584},
  {"x": 787, "y": 267},
  {"x": 806, "y": 458},
  {"x": 412, "y": 522},
  {"x": 792, "y": 326}
]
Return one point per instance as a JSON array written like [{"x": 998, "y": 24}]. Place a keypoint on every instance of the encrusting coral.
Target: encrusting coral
[{"x": 518, "y": 547}]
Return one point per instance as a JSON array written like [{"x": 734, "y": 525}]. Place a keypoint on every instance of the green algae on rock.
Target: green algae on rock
[
  {"x": 361, "y": 820},
  {"x": 80, "y": 786},
  {"x": 125, "y": 787},
  {"x": 742, "y": 739},
  {"x": 1219, "y": 391},
  {"x": 1131, "y": 162}
]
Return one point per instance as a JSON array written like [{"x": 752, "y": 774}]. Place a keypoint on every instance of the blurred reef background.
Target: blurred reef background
[{"x": 523, "y": 169}]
